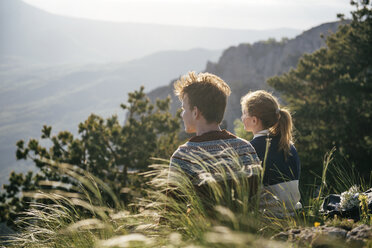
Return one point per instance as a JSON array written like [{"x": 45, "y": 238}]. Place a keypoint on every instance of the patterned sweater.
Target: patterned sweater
[{"x": 205, "y": 155}]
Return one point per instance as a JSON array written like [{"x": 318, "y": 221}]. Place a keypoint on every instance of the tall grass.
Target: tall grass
[
  {"x": 175, "y": 212},
  {"x": 221, "y": 194}
]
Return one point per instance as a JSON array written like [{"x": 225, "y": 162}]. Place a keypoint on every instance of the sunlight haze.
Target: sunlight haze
[{"x": 232, "y": 14}]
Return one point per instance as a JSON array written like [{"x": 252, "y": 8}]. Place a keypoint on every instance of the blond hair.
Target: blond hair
[
  {"x": 206, "y": 91},
  {"x": 278, "y": 120}
]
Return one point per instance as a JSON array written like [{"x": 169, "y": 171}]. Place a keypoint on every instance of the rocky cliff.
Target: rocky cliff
[{"x": 247, "y": 67}]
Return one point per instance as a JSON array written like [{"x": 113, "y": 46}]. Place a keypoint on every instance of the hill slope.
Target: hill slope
[{"x": 63, "y": 96}]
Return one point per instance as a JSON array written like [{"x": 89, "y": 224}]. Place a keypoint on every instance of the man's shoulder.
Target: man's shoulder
[
  {"x": 242, "y": 143},
  {"x": 185, "y": 150},
  {"x": 236, "y": 143},
  {"x": 180, "y": 149},
  {"x": 233, "y": 141}
]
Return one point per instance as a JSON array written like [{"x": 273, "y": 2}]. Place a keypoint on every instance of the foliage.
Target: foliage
[
  {"x": 240, "y": 131},
  {"x": 104, "y": 148},
  {"x": 365, "y": 216},
  {"x": 340, "y": 222},
  {"x": 330, "y": 93},
  {"x": 349, "y": 198},
  {"x": 163, "y": 220}
]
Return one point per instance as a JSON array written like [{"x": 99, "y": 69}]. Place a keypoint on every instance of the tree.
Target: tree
[
  {"x": 330, "y": 93},
  {"x": 240, "y": 131},
  {"x": 104, "y": 148}
]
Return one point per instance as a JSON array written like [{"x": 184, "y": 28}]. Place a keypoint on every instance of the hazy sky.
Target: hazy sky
[{"x": 239, "y": 14}]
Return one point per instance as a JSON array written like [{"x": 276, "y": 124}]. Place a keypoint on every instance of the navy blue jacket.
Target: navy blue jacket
[{"x": 278, "y": 169}]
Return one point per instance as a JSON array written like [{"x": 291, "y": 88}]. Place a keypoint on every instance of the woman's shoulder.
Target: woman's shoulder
[
  {"x": 259, "y": 140},
  {"x": 292, "y": 147},
  {"x": 293, "y": 151}
]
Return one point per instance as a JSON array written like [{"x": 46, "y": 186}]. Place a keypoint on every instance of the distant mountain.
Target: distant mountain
[
  {"x": 246, "y": 67},
  {"x": 64, "y": 96},
  {"x": 36, "y": 36}
]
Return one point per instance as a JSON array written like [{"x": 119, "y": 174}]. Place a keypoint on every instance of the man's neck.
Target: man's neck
[{"x": 202, "y": 129}]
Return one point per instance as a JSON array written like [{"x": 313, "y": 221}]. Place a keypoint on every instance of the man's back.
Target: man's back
[{"x": 208, "y": 151}]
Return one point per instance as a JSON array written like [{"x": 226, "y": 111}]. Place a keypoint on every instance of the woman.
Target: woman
[{"x": 272, "y": 129}]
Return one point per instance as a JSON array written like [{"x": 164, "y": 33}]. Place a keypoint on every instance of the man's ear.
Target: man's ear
[{"x": 196, "y": 113}]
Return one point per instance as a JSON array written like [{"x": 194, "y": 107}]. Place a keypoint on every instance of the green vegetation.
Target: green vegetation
[
  {"x": 240, "y": 131},
  {"x": 86, "y": 195},
  {"x": 104, "y": 148},
  {"x": 171, "y": 215},
  {"x": 160, "y": 220},
  {"x": 330, "y": 94}
]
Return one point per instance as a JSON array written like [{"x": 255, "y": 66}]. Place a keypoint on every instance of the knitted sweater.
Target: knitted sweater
[{"x": 205, "y": 153}]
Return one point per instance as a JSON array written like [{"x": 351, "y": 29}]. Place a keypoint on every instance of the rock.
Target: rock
[
  {"x": 282, "y": 236},
  {"x": 324, "y": 236},
  {"x": 359, "y": 235},
  {"x": 335, "y": 232},
  {"x": 306, "y": 235}
]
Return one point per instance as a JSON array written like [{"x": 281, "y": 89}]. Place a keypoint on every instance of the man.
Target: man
[{"x": 204, "y": 97}]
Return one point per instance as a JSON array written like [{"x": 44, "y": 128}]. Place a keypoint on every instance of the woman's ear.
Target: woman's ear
[
  {"x": 254, "y": 120},
  {"x": 257, "y": 122}
]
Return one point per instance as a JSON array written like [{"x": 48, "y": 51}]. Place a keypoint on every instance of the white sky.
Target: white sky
[{"x": 237, "y": 14}]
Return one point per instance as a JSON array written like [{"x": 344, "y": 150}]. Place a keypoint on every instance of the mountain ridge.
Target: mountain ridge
[{"x": 247, "y": 66}]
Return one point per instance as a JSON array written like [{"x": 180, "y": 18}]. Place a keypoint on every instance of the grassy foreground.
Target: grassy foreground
[{"x": 169, "y": 216}]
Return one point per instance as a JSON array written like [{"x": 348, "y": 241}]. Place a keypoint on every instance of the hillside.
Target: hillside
[
  {"x": 64, "y": 96},
  {"x": 247, "y": 66}
]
